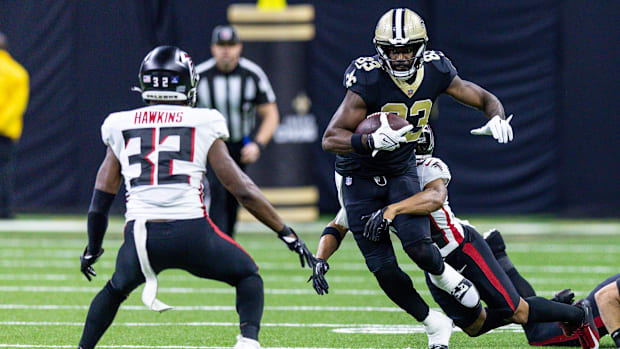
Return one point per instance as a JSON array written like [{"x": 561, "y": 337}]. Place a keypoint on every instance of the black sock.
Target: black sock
[
  {"x": 102, "y": 311},
  {"x": 494, "y": 319},
  {"x": 615, "y": 335},
  {"x": 523, "y": 287},
  {"x": 544, "y": 310},
  {"x": 250, "y": 301},
  {"x": 398, "y": 287}
]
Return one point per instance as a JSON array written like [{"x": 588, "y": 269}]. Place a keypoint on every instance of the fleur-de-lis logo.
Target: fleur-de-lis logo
[{"x": 351, "y": 79}]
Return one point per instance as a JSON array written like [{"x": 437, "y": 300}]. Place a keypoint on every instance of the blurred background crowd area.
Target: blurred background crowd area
[{"x": 552, "y": 63}]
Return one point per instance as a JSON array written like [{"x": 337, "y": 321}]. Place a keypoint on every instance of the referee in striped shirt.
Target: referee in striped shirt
[{"x": 239, "y": 89}]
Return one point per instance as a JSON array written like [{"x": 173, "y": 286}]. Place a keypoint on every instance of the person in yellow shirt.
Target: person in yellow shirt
[{"x": 14, "y": 89}]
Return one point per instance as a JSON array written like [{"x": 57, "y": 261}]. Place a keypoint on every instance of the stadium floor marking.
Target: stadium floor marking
[
  {"x": 203, "y": 308},
  {"x": 12, "y": 251},
  {"x": 273, "y": 278},
  {"x": 128, "y": 346},
  {"x": 339, "y": 328},
  {"x": 198, "y": 290},
  {"x": 46, "y": 263},
  {"x": 149, "y": 346},
  {"x": 116, "y": 225}
]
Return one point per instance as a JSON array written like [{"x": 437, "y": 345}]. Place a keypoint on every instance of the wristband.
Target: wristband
[
  {"x": 261, "y": 146},
  {"x": 332, "y": 231},
  {"x": 356, "y": 143}
]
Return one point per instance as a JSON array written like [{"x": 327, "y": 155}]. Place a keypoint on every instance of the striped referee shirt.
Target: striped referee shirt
[{"x": 235, "y": 94}]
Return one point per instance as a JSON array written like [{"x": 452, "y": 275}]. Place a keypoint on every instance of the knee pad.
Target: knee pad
[
  {"x": 114, "y": 292},
  {"x": 426, "y": 255},
  {"x": 387, "y": 272}
]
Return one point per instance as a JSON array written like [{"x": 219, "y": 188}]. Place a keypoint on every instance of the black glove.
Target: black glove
[
  {"x": 86, "y": 262},
  {"x": 376, "y": 225},
  {"x": 296, "y": 245},
  {"x": 318, "y": 276}
]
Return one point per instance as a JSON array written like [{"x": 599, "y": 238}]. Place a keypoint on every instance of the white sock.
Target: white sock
[
  {"x": 447, "y": 280},
  {"x": 438, "y": 328}
]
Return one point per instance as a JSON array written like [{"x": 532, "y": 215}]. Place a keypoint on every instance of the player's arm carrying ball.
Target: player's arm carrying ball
[
  {"x": 248, "y": 195},
  {"x": 340, "y": 138}
]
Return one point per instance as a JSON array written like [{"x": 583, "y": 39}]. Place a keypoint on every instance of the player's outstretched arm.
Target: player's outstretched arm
[
  {"x": 248, "y": 195},
  {"x": 337, "y": 136},
  {"x": 475, "y": 96},
  {"x": 106, "y": 186}
]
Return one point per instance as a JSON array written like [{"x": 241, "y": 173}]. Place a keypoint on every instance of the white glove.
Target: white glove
[
  {"x": 384, "y": 138},
  {"x": 500, "y": 129}
]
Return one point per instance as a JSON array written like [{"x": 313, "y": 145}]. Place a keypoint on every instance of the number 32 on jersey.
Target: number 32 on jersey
[{"x": 417, "y": 115}]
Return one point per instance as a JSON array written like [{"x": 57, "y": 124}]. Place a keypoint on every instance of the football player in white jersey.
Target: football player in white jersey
[
  {"x": 463, "y": 248},
  {"x": 162, "y": 151}
]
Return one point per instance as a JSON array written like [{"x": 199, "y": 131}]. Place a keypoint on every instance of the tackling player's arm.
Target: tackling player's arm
[
  {"x": 106, "y": 186},
  {"x": 329, "y": 243},
  {"x": 337, "y": 137},
  {"x": 248, "y": 195},
  {"x": 430, "y": 199}
]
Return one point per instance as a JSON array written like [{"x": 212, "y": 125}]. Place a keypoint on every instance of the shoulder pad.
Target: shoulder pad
[
  {"x": 439, "y": 61},
  {"x": 435, "y": 168},
  {"x": 362, "y": 70}
]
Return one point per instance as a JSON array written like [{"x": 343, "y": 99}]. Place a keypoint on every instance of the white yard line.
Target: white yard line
[
  {"x": 399, "y": 328},
  {"x": 550, "y": 280},
  {"x": 347, "y": 266},
  {"x": 533, "y": 228},
  {"x": 128, "y": 346},
  {"x": 197, "y": 290},
  {"x": 204, "y": 308},
  {"x": 25, "y": 250}
]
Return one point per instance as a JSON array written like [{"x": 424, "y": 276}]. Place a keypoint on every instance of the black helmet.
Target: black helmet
[
  {"x": 167, "y": 74},
  {"x": 426, "y": 143}
]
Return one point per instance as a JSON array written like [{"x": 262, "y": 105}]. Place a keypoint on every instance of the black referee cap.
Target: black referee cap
[{"x": 224, "y": 34}]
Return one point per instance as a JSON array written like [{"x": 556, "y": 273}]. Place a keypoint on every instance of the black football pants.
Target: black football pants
[{"x": 194, "y": 245}]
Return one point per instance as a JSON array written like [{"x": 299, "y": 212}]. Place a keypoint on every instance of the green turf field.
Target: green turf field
[{"x": 44, "y": 298}]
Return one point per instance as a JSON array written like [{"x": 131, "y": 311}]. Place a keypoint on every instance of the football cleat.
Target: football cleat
[
  {"x": 246, "y": 343},
  {"x": 586, "y": 331},
  {"x": 566, "y": 296},
  {"x": 466, "y": 294},
  {"x": 495, "y": 241},
  {"x": 438, "y": 328}
]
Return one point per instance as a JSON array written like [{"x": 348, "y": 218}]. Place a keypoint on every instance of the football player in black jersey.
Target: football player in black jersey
[{"x": 378, "y": 169}]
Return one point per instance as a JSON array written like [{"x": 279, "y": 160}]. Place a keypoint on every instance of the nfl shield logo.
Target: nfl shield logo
[
  {"x": 410, "y": 92},
  {"x": 348, "y": 181},
  {"x": 174, "y": 80}
]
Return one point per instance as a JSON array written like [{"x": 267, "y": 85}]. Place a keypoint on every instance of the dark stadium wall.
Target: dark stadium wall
[{"x": 550, "y": 62}]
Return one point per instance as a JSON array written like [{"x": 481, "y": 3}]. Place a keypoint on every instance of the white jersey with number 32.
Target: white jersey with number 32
[{"x": 163, "y": 151}]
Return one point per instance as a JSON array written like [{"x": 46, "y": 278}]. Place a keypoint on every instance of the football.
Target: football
[{"x": 372, "y": 123}]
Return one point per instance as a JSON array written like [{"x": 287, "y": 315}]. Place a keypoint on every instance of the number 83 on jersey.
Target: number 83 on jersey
[{"x": 417, "y": 115}]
